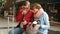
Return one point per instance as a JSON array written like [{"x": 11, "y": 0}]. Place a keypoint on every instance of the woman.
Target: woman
[
  {"x": 24, "y": 17},
  {"x": 42, "y": 18}
]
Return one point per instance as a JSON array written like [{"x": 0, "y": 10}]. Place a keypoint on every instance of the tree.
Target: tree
[{"x": 2, "y": 1}]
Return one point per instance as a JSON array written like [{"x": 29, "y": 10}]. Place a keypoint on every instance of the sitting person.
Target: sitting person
[
  {"x": 24, "y": 17},
  {"x": 42, "y": 18}
]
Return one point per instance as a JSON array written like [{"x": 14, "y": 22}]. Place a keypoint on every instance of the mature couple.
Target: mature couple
[{"x": 35, "y": 18}]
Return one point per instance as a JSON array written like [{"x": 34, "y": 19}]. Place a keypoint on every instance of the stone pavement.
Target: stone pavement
[{"x": 4, "y": 23}]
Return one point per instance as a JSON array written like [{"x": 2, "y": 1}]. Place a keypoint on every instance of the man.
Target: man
[{"x": 24, "y": 17}]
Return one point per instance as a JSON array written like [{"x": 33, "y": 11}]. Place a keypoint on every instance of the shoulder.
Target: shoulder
[
  {"x": 45, "y": 14},
  {"x": 31, "y": 11}
]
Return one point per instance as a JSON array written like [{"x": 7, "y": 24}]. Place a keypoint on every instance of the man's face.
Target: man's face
[{"x": 27, "y": 5}]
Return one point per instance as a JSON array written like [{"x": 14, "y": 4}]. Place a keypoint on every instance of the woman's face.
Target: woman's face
[{"x": 35, "y": 10}]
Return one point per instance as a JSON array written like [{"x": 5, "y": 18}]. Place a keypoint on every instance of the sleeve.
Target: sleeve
[
  {"x": 29, "y": 17},
  {"x": 19, "y": 16},
  {"x": 46, "y": 24}
]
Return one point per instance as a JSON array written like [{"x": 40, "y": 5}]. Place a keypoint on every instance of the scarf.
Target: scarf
[{"x": 39, "y": 13}]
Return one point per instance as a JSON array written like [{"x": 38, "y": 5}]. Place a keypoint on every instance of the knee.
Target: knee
[{"x": 16, "y": 31}]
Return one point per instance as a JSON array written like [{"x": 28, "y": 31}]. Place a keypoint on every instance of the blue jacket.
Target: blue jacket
[{"x": 44, "y": 22}]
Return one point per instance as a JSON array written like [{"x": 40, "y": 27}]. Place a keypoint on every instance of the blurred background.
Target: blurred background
[{"x": 8, "y": 10}]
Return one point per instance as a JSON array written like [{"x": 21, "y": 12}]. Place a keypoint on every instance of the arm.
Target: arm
[
  {"x": 46, "y": 24},
  {"x": 19, "y": 16},
  {"x": 29, "y": 17}
]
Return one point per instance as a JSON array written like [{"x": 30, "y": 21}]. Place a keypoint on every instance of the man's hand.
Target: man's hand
[
  {"x": 24, "y": 23},
  {"x": 24, "y": 12}
]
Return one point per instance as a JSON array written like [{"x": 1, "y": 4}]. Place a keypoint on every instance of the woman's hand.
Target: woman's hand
[{"x": 37, "y": 26}]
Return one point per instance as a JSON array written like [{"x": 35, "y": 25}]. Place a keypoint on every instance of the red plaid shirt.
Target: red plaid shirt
[{"x": 29, "y": 17}]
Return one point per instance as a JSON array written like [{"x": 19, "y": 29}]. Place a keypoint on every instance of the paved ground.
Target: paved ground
[
  {"x": 53, "y": 32},
  {"x": 4, "y": 24}
]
